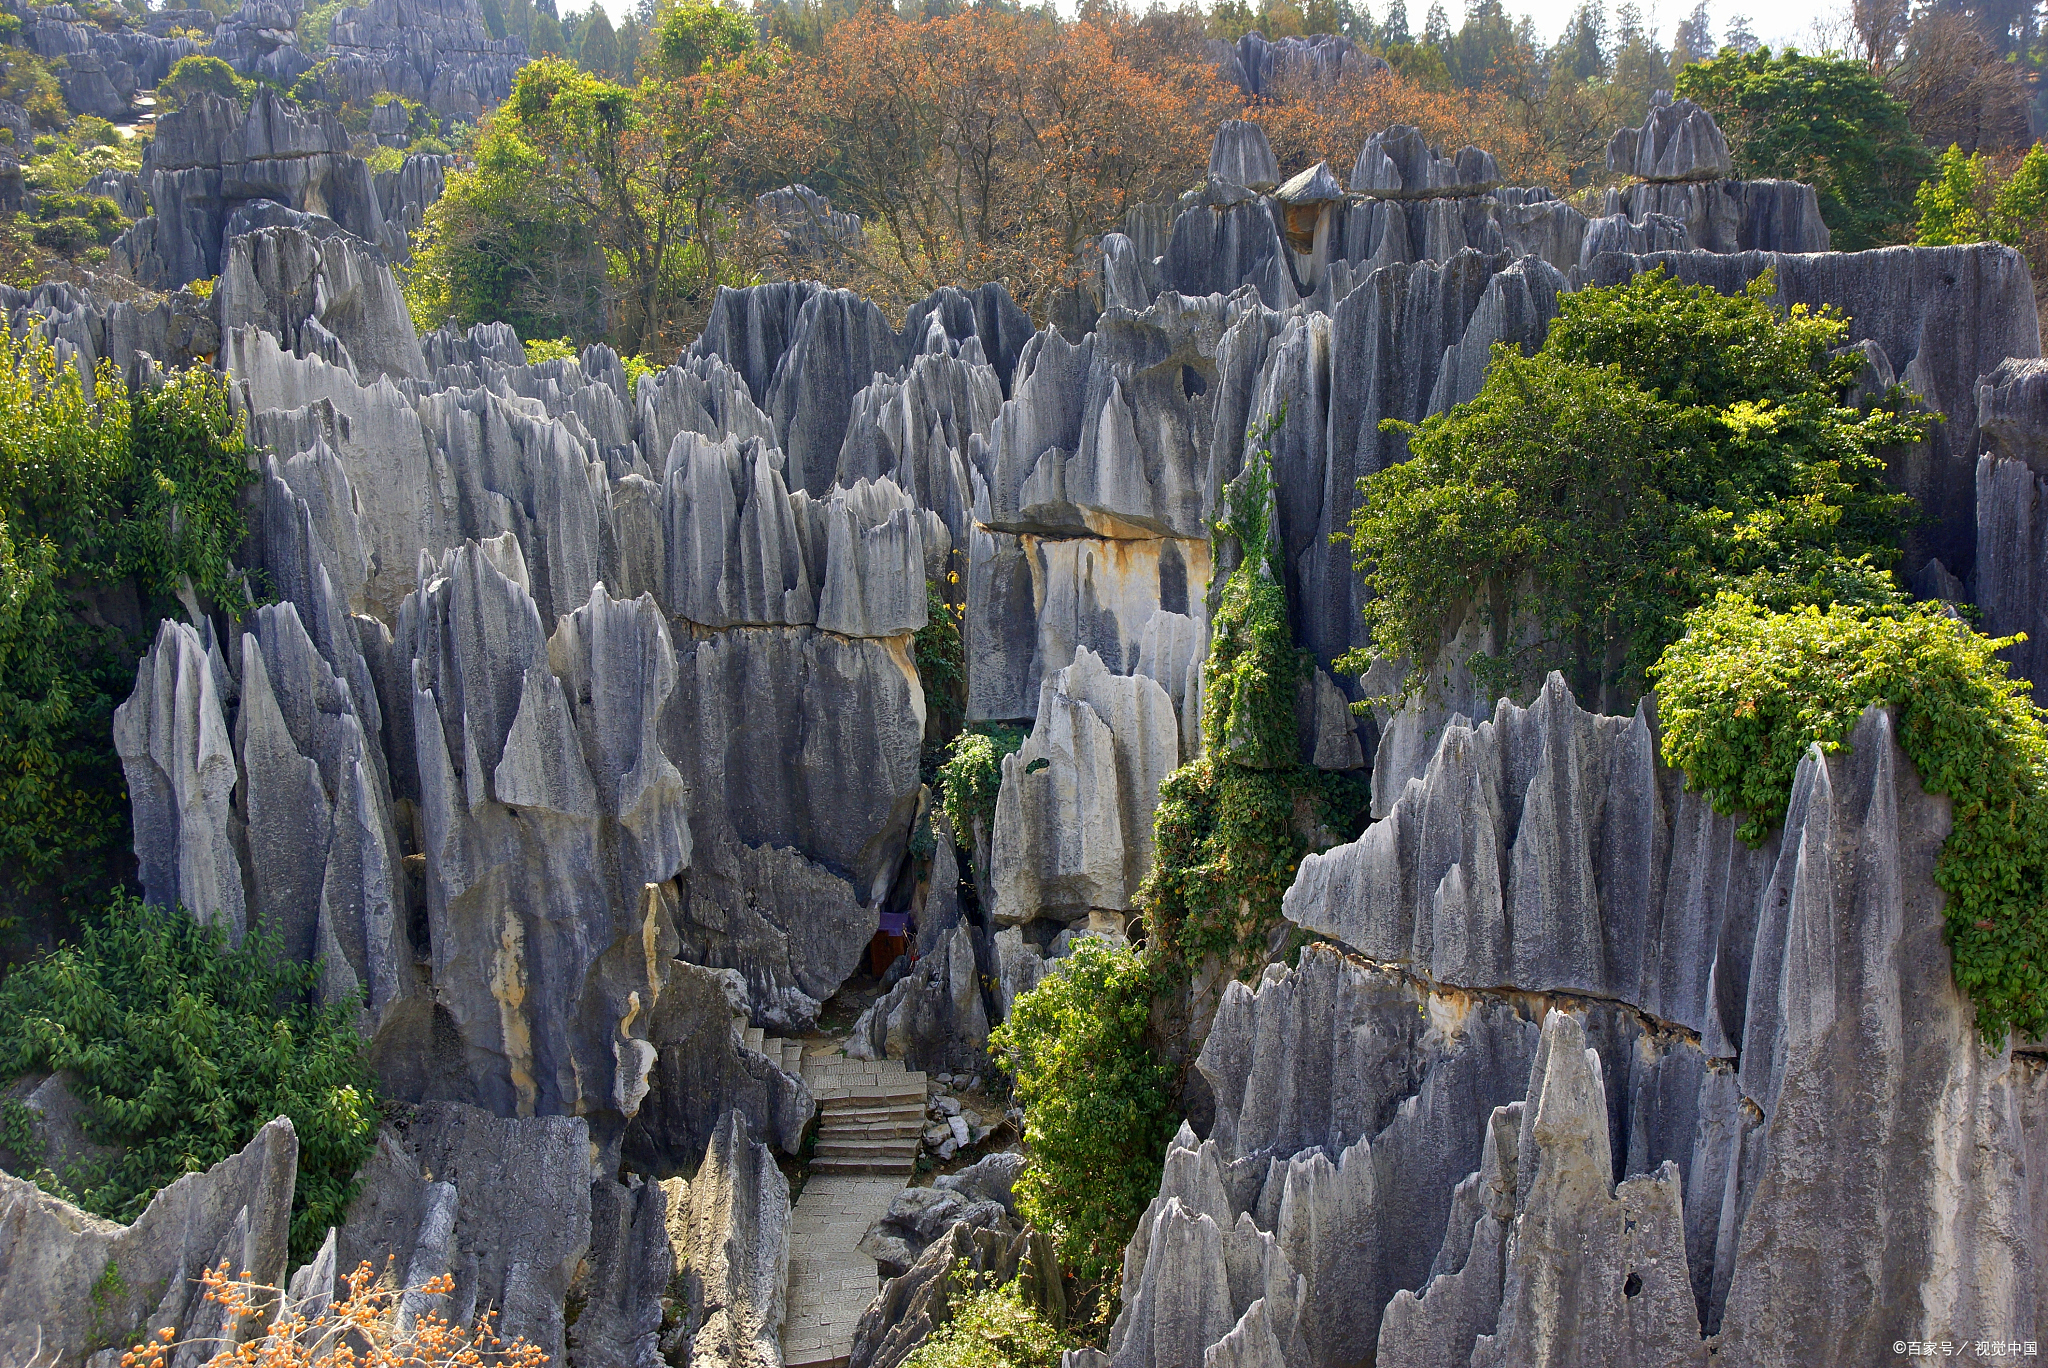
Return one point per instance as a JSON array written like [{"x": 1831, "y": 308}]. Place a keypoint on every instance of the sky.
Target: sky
[{"x": 1775, "y": 22}]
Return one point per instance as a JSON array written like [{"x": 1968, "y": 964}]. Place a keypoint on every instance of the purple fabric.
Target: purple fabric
[{"x": 895, "y": 923}]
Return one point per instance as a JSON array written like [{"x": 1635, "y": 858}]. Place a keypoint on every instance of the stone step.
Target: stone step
[
  {"x": 889, "y": 1167},
  {"x": 880, "y": 1151},
  {"x": 792, "y": 1056},
  {"x": 840, "y": 1065},
  {"x": 891, "y": 1129},
  {"x": 871, "y": 1094},
  {"x": 752, "y": 1038}
]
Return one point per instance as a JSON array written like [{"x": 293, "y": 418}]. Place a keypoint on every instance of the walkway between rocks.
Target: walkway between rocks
[{"x": 871, "y": 1114}]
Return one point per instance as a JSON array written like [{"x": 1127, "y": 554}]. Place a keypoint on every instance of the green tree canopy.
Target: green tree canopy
[
  {"x": 1097, "y": 1102},
  {"x": 1826, "y": 121},
  {"x": 694, "y": 34},
  {"x": 105, "y": 497},
  {"x": 1746, "y": 691},
  {"x": 194, "y": 76},
  {"x": 1665, "y": 442}
]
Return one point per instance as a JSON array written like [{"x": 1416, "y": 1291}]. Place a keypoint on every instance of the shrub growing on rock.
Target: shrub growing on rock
[
  {"x": 182, "y": 1046},
  {"x": 1665, "y": 443},
  {"x": 1745, "y": 691},
  {"x": 991, "y": 1327},
  {"x": 1097, "y": 1101}
]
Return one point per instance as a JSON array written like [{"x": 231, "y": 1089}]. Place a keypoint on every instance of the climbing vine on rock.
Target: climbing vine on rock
[
  {"x": 1746, "y": 691},
  {"x": 181, "y": 1048},
  {"x": 973, "y": 775},
  {"x": 106, "y": 499},
  {"x": 941, "y": 656},
  {"x": 1232, "y": 825}
]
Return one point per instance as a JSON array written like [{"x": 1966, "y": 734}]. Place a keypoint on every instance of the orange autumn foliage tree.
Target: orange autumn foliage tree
[
  {"x": 1308, "y": 123},
  {"x": 366, "y": 1326},
  {"x": 987, "y": 146}
]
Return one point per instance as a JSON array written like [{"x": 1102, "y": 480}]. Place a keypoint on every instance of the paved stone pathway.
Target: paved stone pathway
[{"x": 870, "y": 1117}]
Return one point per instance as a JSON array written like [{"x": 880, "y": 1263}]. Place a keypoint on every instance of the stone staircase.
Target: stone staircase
[
  {"x": 870, "y": 1115},
  {"x": 870, "y": 1118},
  {"x": 788, "y": 1054}
]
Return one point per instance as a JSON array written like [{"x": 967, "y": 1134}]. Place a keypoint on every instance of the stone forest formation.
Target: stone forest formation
[{"x": 579, "y": 730}]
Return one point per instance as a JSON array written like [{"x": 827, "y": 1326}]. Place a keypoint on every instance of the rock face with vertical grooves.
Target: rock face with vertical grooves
[
  {"x": 1647, "y": 1126},
  {"x": 586, "y": 737},
  {"x": 238, "y": 1211},
  {"x": 1677, "y": 142},
  {"x": 1073, "y": 828},
  {"x": 2012, "y": 521},
  {"x": 729, "y": 1227}
]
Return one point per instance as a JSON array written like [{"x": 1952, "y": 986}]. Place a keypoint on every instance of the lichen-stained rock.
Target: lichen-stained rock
[
  {"x": 1242, "y": 155},
  {"x": 752, "y": 328},
  {"x": 986, "y": 315},
  {"x": 178, "y": 755},
  {"x": 704, "y": 1071},
  {"x": 1595, "y": 1273},
  {"x": 1123, "y": 275},
  {"x": 791, "y": 928},
  {"x": 1677, "y": 142},
  {"x": 212, "y": 154},
  {"x": 1731, "y": 215},
  {"x": 802, "y": 739},
  {"x": 1033, "y": 602},
  {"x": 1851, "y": 987},
  {"x": 1131, "y": 432},
  {"x": 323, "y": 853},
  {"x": 1538, "y": 850},
  {"x": 1230, "y": 240},
  {"x": 542, "y": 821},
  {"x": 1620, "y": 233},
  {"x": 729, "y": 1228},
  {"x": 1461, "y": 1301},
  {"x": 1073, "y": 826},
  {"x": 1548, "y": 228},
  {"x": 512, "y": 470},
  {"x": 839, "y": 344},
  {"x": 2012, "y": 555},
  {"x": 618, "y": 667},
  {"x": 920, "y": 1216},
  {"x": 871, "y": 577},
  {"x": 2012, "y": 415},
  {"x": 933, "y": 1018},
  {"x": 279, "y": 279},
  {"x": 309, "y": 520},
  {"x": 1400, "y": 164},
  {"x": 735, "y": 549},
  {"x": 438, "y": 53},
  {"x": 74, "y": 1281}
]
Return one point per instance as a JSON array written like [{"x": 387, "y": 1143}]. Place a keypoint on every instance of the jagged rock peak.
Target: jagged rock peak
[
  {"x": 1399, "y": 164},
  {"x": 1677, "y": 142},
  {"x": 1242, "y": 155}
]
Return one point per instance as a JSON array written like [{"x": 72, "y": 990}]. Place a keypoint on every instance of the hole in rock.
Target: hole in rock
[
  {"x": 1192, "y": 382},
  {"x": 1632, "y": 1285}
]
